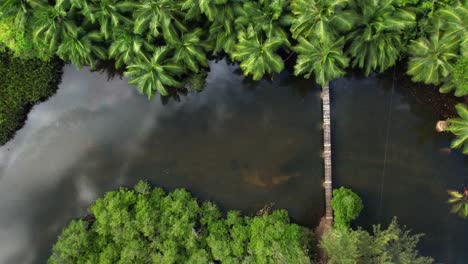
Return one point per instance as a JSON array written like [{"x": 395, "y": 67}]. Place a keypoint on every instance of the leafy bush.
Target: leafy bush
[
  {"x": 145, "y": 225},
  {"x": 23, "y": 83},
  {"x": 459, "y": 127},
  {"x": 459, "y": 79},
  {"x": 391, "y": 245},
  {"x": 346, "y": 207}
]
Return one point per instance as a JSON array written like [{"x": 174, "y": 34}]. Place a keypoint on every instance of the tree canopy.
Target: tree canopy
[
  {"x": 328, "y": 35},
  {"x": 145, "y": 225},
  {"x": 346, "y": 207},
  {"x": 342, "y": 244},
  {"x": 459, "y": 127},
  {"x": 393, "y": 245}
]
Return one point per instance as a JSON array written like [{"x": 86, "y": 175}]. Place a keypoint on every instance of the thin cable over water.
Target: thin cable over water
[{"x": 387, "y": 136}]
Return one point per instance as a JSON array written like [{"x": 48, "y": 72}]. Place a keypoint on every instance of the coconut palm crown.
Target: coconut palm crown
[{"x": 459, "y": 127}]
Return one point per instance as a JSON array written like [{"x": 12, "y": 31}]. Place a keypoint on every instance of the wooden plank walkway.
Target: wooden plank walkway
[{"x": 327, "y": 152}]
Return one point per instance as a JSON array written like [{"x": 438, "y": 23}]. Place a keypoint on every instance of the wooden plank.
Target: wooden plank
[{"x": 327, "y": 151}]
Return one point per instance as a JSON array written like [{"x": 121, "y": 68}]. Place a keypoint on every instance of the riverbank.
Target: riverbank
[
  {"x": 443, "y": 105},
  {"x": 23, "y": 84}
]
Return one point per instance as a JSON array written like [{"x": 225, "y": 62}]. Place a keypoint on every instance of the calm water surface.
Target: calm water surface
[
  {"x": 386, "y": 149},
  {"x": 238, "y": 143}
]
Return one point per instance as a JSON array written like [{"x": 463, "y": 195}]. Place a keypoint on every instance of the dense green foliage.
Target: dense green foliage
[
  {"x": 459, "y": 202},
  {"x": 346, "y": 207},
  {"x": 23, "y": 82},
  {"x": 166, "y": 44},
  {"x": 393, "y": 245},
  {"x": 459, "y": 127},
  {"x": 342, "y": 244},
  {"x": 148, "y": 37},
  {"x": 459, "y": 79},
  {"x": 145, "y": 225}
]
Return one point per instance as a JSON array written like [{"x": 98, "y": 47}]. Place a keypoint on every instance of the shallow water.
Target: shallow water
[{"x": 238, "y": 143}]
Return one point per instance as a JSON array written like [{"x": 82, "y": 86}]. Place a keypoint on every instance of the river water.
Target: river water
[{"x": 239, "y": 143}]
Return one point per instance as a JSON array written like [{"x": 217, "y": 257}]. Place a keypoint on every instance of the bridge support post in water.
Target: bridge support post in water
[{"x": 327, "y": 152}]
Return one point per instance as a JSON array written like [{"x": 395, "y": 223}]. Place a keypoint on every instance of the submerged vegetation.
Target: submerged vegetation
[
  {"x": 145, "y": 225},
  {"x": 23, "y": 83}
]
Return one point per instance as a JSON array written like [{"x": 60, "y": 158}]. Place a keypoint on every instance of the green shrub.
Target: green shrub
[
  {"x": 23, "y": 83},
  {"x": 346, "y": 207},
  {"x": 145, "y": 225},
  {"x": 391, "y": 245}
]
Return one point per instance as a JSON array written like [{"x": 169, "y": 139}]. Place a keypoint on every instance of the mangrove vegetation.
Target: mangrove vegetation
[
  {"x": 23, "y": 83},
  {"x": 145, "y": 225}
]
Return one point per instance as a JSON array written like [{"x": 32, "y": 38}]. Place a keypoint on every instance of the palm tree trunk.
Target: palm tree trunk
[{"x": 327, "y": 152}]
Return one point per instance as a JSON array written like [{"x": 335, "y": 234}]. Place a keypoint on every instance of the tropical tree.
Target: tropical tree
[
  {"x": 322, "y": 19},
  {"x": 324, "y": 59},
  {"x": 267, "y": 16},
  {"x": 20, "y": 10},
  {"x": 222, "y": 31},
  {"x": 108, "y": 14},
  {"x": 459, "y": 127},
  {"x": 455, "y": 22},
  {"x": 189, "y": 50},
  {"x": 391, "y": 245},
  {"x": 159, "y": 17},
  {"x": 258, "y": 57},
  {"x": 52, "y": 25},
  {"x": 82, "y": 49},
  {"x": 145, "y": 225},
  {"x": 432, "y": 59},
  {"x": 154, "y": 73},
  {"x": 377, "y": 38},
  {"x": 459, "y": 202},
  {"x": 210, "y": 8},
  {"x": 126, "y": 46},
  {"x": 458, "y": 79},
  {"x": 346, "y": 207}
]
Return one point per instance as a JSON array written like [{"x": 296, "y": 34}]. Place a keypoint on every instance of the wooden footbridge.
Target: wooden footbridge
[{"x": 327, "y": 153}]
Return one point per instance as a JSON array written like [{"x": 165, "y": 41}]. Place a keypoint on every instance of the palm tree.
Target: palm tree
[
  {"x": 268, "y": 16},
  {"x": 108, "y": 13},
  {"x": 223, "y": 36},
  {"x": 154, "y": 73},
  {"x": 189, "y": 50},
  {"x": 432, "y": 59},
  {"x": 82, "y": 49},
  {"x": 126, "y": 46},
  {"x": 320, "y": 18},
  {"x": 158, "y": 16},
  {"x": 455, "y": 22},
  {"x": 325, "y": 59},
  {"x": 210, "y": 8},
  {"x": 20, "y": 10},
  {"x": 52, "y": 26},
  {"x": 459, "y": 127},
  {"x": 376, "y": 40},
  {"x": 222, "y": 31},
  {"x": 258, "y": 57},
  {"x": 459, "y": 202}
]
